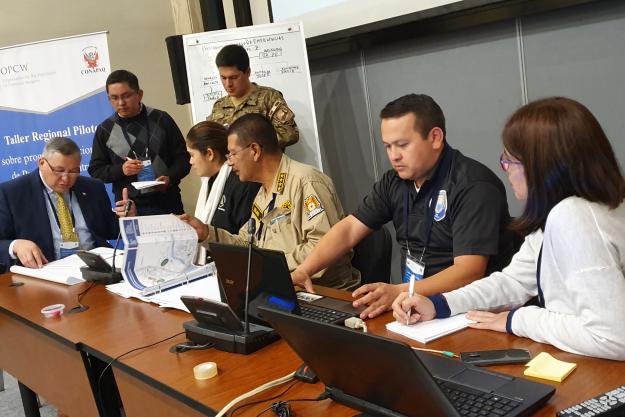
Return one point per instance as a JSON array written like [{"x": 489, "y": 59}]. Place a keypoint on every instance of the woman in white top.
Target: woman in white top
[{"x": 559, "y": 162}]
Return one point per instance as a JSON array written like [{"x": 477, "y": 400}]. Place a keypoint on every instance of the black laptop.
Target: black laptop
[
  {"x": 270, "y": 285},
  {"x": 385, "y": 377}
]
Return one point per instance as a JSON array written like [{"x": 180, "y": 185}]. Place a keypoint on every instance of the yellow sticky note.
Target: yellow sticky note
[{"x": 545, "y": 366}]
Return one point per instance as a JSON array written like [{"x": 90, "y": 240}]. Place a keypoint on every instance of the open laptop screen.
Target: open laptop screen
[
  {"x": 381, "y": 371},
  {"x": 267, "y": 286}
]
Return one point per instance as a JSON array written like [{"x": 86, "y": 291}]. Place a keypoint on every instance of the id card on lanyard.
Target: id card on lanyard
[
  {"x": 416, "y": 267},
  {"x": 413, "y": 268},
  {"x": 68, "y": 248},
  {"x": 147, "y": 173}
]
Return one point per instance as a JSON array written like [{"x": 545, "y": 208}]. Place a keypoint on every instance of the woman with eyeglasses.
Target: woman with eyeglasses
[
  {"x": 223, "y": 201},
  {"x": 560, "y": 162}
]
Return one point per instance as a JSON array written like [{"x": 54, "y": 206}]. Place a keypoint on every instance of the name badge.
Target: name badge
[
  {"x": 147, "y": 173},
  {"x": 68, "y": 248},
  {"x": 414, "y": 268}
]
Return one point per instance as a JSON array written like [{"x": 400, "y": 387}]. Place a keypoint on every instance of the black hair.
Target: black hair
[
  {"x": 208, "y": 134},
  {"x": 122, "y": 76},
  {"x": 254, "y": 127},
  {"x": 233, "y": 56},
  {"x": 428, "y": 113}
]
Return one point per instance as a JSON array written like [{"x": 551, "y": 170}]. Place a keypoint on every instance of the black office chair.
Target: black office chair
[{"x": 372, "y": 257}]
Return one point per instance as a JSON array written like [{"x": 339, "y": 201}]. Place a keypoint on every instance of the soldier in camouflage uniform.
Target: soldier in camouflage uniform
[{"x": 246, "y": 97}]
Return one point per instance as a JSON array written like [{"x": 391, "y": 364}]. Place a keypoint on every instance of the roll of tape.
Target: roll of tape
[{"x": 205, "y": 370}]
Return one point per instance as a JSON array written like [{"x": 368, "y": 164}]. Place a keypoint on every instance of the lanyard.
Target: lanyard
[
  {"x": 441, "y": 174},
  {"x": 147, "y": 140},
  {"x": 56, "y": 216},
  {"x": 269, "y": 208}
]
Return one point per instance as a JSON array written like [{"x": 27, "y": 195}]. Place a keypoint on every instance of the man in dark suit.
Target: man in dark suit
[{"x": 53, "y": 211}]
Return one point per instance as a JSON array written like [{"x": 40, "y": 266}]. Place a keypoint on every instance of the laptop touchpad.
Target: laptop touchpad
[{"x": 480, "y": 379}]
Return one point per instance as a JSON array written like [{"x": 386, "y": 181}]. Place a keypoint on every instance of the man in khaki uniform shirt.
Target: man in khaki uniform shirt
[
  {"x": 245, "y": 97},
  {"x": 293, "y": 209}
]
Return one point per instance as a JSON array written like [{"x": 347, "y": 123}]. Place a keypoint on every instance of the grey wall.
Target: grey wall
[{"x": 478, "y": 76}]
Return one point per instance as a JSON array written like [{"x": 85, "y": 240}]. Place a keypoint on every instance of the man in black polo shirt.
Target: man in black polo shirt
[{"x": 450, "y": 212}]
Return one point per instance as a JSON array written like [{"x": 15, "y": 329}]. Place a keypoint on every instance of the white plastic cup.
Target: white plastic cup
[{"x": 54, "y": 310}]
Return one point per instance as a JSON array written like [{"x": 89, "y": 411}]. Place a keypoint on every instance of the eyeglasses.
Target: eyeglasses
[
  {"x": 123, "y": 97},
  {"x": 505, "y": 163},
  {"x": 60, "y": 173},
  {"x": 230, "y": 155}
]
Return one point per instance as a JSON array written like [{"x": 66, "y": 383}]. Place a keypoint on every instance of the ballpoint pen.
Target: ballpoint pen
[{"x": 410, "y": 294}]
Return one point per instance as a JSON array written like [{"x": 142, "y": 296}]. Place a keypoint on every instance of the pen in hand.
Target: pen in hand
[{"x": 410, "y": 294}]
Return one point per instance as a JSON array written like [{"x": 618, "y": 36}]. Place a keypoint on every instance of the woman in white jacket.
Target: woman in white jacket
[{"x": 559, "y": 162}]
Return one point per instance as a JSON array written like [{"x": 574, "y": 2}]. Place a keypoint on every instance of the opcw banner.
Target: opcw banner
[{"x": 47, "y": 89}]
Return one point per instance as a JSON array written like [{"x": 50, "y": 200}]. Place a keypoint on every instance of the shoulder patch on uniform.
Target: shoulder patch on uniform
[
  {"x": 281, "y": 182},
  {"x": 440, "y": 210},
  {"x": 257, "y": 212},
  {"x": 283, "y": 114},
  {"x": 312, "y": 206},
  {"x": 287, "y": 205}
]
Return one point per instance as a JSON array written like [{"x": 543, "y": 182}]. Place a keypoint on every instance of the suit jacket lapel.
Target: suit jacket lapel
[
  {"x": 39, "y": 201},
  {"x": 82, "y": 196}
]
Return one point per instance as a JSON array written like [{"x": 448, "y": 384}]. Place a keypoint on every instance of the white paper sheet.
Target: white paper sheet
[
  {"x": 140, "y": 185},
  {"x": 427, "y": 331},
  {"x": 63, "y": 271},
  {"x": 205, "y": 288}
]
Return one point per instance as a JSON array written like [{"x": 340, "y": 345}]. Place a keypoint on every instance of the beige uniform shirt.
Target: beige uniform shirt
[
  {"x": 305, "y": 207},
  {"x": 262, "y": 100}
]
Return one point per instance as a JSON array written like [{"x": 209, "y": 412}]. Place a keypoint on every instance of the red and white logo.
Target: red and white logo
[{"x": 91, "y": 56}]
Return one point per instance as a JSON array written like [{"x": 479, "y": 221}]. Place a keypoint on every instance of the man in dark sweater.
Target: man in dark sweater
[{"x": 139, "y": 143}]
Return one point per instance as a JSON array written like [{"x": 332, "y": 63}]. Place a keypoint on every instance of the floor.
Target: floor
[{"x": 11, "y": 403}]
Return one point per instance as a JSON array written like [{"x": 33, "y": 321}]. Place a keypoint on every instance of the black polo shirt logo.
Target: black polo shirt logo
[{"x": 441, "y": 206}]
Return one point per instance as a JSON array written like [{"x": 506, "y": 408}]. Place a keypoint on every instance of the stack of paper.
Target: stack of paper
[
  {"x": 205, "y": 288},
  {"x": 545, "y": 366},
  {"x": 140, "y": 185},
  {"x": 426, "y": 331}
]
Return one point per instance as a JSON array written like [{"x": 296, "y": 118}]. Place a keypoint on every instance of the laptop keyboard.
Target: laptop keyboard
[
  {"x": 324, "y": 315},
  {"x": 474, "y": 403}
]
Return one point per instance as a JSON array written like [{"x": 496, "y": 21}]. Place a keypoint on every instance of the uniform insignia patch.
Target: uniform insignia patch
[
  {"x": 257, "y": 212},
  {"x": 281, "y": 182},
  {"x": 222, "y": 203},
  {"x": 287, "y": 205},
  {"x": 441, "y": 206},
  {"x": 284, "y": 114},
  {"x": 312, "y": 206}
]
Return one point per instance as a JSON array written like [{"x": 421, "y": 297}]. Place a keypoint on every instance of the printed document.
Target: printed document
[
  {"x": 159, "y": 253},
  {"x": 63, "y": 271}
]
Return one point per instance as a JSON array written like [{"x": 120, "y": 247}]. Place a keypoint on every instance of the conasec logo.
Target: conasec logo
[{"x": 91, "y": 56}]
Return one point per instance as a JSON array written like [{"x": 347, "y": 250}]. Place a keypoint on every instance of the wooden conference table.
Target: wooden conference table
[{"x": 48, "y": 356}]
